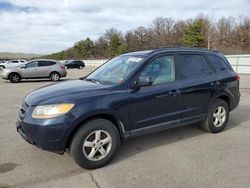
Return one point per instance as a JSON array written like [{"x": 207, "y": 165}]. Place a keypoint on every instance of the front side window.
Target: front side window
[
  {"x": 160, "y": 71},
  {"x": 31, "y": 64},
  {"x": 192, "y": 66},
  {"x": 116, "y": 70}
]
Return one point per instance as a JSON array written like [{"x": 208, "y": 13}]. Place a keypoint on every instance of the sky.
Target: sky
[{"x": 48, "y": 26}]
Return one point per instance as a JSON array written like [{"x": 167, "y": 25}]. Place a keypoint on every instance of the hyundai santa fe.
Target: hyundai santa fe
[{"x": 131, "y": 95}]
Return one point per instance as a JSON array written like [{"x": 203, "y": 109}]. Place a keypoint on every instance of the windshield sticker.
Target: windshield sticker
[{"x": 135, "y": 59}]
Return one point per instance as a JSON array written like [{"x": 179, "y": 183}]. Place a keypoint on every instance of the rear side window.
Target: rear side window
[
  {"x": 192, "y": 66},
  {"x": 219, "y": 63},
  {"x": 45, "y": 63}
]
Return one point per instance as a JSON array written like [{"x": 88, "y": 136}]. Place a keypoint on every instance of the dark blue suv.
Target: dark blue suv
[{"x": 133, "y": 94}]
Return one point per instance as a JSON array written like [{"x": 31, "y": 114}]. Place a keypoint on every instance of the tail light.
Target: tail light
[
  {"x": 237, "y": 76},
  {"x": 62, "y": 67}
]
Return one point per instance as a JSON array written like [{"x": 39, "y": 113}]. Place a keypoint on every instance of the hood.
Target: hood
[{"x": 67, "y": 91}]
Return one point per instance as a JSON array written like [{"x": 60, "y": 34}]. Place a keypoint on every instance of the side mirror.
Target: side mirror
[
  {"x": 141, "y": 82},
  {"x": 145, "y": 81}
]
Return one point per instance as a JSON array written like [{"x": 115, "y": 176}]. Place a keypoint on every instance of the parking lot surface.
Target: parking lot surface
[{"x": 180, "y": 157}]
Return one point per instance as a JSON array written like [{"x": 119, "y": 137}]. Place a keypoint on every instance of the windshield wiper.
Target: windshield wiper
[{"x": 93, "y": 80}]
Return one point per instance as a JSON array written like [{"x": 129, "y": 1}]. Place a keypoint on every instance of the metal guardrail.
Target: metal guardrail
[{"x": 240, "y": 63}]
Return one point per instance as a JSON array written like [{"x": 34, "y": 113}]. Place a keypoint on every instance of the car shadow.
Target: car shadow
[
  {"x": 238, "y": 116},
  {"x": 39, "y": 80},
  {"x": 134, "y": 146}
]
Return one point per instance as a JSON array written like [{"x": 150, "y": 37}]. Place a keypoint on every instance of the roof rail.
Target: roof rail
[{"x": 172, "y": 46}]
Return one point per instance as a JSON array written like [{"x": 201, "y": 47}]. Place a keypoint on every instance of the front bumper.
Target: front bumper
[
  {"x": 40, "y": 141},
  {"x": 4, "y": 75},
  {"x": 47, "y": 134}
]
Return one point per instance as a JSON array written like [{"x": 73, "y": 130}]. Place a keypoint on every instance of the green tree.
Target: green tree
[
  {"x": 85, "y": 48},
  {"x": 193, "y": 34},
  {"x": 116, "y": 46}
]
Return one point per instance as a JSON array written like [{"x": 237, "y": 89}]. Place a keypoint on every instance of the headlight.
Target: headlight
[{"x": 51, "y": 111}]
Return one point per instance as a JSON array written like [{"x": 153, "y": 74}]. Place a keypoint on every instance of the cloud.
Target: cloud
[{"x": 38, "y": 26}]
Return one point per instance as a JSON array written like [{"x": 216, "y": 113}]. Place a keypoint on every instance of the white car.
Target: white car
[{"x": 11, "y": 63}]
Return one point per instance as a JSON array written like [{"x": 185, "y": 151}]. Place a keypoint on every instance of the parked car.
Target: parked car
[
  {"x": 74, "y": 64},
  {"x": 39, "y": 68},
  {"x": 11, "y": 63},
  {"x": 131, "y": 95}
]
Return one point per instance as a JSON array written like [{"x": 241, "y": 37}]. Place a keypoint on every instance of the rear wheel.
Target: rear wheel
[
  {"x": 14, "y": 78},
  {"x": 80, "y": 67},
  {"x": 217, "y": 117},
  {"x": 55, "y": 76},
  {"x": 95, "y": 144}
]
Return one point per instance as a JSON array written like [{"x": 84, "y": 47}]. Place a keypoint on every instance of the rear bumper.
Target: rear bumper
[
  {"x": 63, "y": 73},
  {"x": 235, "y": 102}
]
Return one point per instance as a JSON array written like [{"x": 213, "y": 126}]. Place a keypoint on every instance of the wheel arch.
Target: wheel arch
[
  {"x": 223, "y": 96},
  {"x": 11, "y": 73},
  {"x": 118, "y": 124},
  {"x": 54, "y": 71}
]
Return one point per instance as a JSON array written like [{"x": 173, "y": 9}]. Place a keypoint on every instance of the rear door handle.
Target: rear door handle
[{"x": 174, "y": 92}]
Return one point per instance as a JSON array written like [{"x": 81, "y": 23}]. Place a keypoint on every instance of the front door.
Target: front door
[
  {"x": 157, "y": 105},
  {"x": 30, "y": 70}
]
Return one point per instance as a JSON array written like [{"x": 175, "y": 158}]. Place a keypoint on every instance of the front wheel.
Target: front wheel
[
  {"x": 54, "y": 76},
  {"x": 217, "y": 117},
  {"x": 14, "y": 78},
  {"x": 95, "y": 144}
]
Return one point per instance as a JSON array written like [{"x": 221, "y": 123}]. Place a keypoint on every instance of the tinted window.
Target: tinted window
[
  {"x": 14, "y": 61},
  {"x": 31, "y": 64},
  {"x": 219, "y": 63},
  {"x": 45, "y": 63},
  {"x": 161, "y": 70},
  {"x": 192, "y": 66}
]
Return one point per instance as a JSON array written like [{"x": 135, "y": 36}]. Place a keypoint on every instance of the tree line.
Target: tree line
[{"x": 229, "y": 35}]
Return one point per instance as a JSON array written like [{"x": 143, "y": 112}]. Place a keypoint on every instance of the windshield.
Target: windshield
[{"x": 116, "y": 70}]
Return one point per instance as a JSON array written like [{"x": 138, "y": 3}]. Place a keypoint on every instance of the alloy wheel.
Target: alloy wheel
[{"x": 97, "y": 145}]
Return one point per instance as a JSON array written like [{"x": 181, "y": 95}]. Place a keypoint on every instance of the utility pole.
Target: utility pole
[{"x": 209, "y": 31}]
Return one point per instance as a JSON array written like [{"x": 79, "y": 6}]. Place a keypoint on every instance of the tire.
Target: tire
[
  {"x": 80, "y": 67},
  {"x": 14, "y": 78},
  {"x": 85, "y": 141},
  {"x": 55, "y": 76},
  {"x": 215, "y": 121}
]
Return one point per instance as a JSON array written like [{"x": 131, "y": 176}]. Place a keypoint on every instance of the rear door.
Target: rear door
[
  {"x": 45, "y": 68},
  {"x": 196, "y": 78}
]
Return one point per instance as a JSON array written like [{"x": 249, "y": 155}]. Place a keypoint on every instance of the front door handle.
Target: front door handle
[
  {"x": 215, "y": 83},
  {"x": 170, "y": 93}
]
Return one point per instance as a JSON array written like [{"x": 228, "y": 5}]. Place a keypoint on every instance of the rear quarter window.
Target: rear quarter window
[{"x": 218, "y": 63}]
